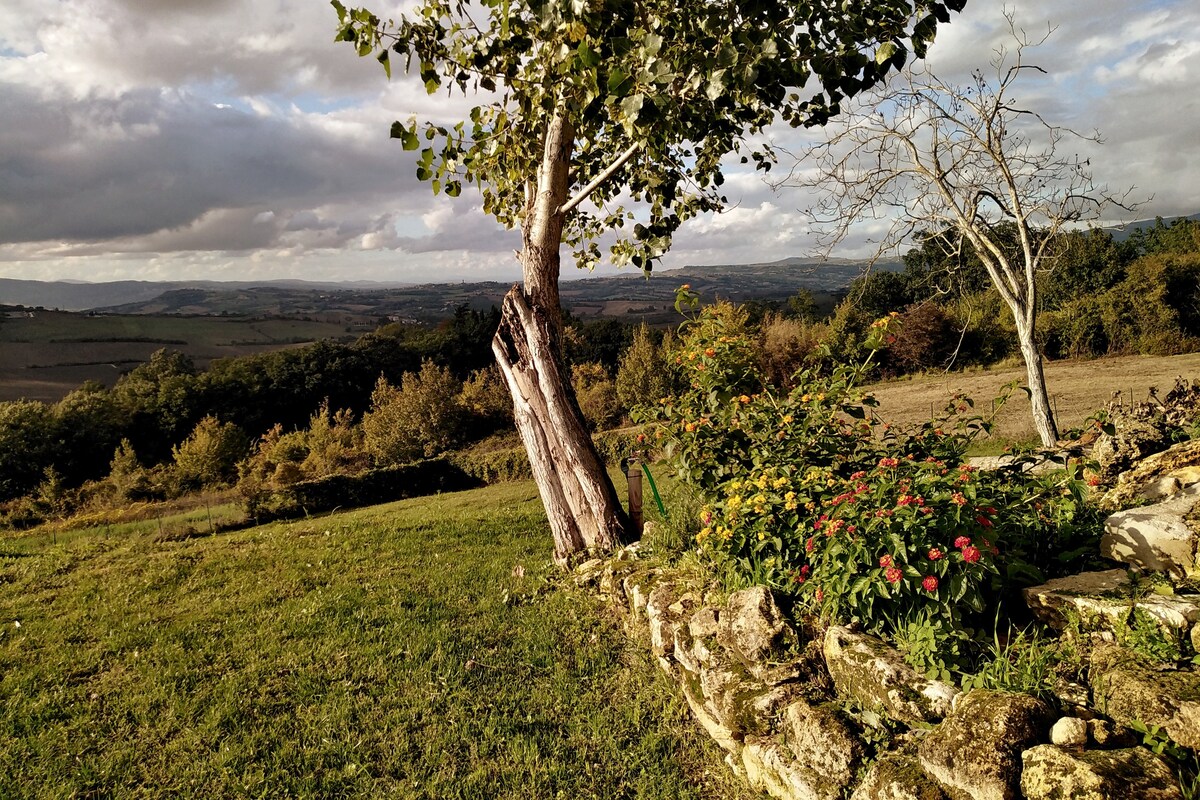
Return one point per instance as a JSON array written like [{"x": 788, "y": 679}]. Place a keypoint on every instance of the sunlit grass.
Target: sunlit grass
[{"x": 385, "y": 652}]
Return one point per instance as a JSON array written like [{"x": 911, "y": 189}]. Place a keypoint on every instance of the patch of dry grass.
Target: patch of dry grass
[{"x": 1077, "y": 389}]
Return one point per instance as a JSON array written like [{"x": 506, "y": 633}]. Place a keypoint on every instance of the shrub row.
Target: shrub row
[{"x": 350, "y": 491}]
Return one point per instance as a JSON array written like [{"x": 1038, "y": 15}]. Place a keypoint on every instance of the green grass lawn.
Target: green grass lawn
[{"x": 388, "y": 652}]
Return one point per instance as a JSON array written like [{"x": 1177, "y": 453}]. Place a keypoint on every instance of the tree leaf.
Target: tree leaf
[{"x": 619, "y": 82}]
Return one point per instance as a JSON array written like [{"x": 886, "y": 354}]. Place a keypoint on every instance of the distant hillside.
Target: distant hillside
[
  {"x": 80, "y": 296},
  {"x": 630, "y": 296},
  {"x": 1125, "y": 231}
]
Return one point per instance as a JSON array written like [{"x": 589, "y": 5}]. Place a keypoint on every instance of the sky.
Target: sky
[{"x": 235, "y": 140}]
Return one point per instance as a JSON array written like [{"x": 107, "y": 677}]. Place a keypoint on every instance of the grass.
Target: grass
[
  {"x": 1077, "y": 389},
  {"x": 389, "y": 652}
]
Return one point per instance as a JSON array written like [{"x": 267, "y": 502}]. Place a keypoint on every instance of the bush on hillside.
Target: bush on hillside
[
  {"x": 209, "y": 456},
  {"x": 423, "y": 417},
  {"x": 352, "y": 491},
  {"x": 642, "y": 375},
  {"x": 487, "y": 402},
  {"x": 786, "y": 345},
  {"x": 596, "y": 394}
]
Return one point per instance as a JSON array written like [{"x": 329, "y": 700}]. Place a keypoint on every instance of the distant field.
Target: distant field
[
  {"x": 47, "y": 355},
  {"x": 1077, "y": 389}
]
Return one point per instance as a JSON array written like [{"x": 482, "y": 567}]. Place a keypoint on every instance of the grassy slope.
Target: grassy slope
[
  {"x": 385, "y": 652},
  {"x": 1077, "y": 389}
]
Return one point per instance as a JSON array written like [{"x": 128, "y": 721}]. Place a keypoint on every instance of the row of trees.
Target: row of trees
[
  {"x": 1145, "y": 298},
  {"x": 425, "y": 413}
]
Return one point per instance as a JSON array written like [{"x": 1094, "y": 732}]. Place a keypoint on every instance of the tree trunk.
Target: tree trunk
[
  {"x": 581, "y": 501},
  {"x": 1039, "y": 400}
]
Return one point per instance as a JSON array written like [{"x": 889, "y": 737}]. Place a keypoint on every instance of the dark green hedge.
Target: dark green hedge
[{"x": 365, "y": 489}]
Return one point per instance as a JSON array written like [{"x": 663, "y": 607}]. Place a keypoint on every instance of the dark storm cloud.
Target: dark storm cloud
[{"x": 111, "y": 167}]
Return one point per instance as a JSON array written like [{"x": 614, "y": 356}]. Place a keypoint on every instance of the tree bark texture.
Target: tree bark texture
[
  {"x": 580, "y": 499},
  {"x": 1039, "y": 399}
]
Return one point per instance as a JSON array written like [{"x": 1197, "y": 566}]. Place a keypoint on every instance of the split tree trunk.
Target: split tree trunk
[{"x": 581, "y": 501}]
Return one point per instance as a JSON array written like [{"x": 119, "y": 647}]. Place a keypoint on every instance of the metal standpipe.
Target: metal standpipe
[{"x": 633, "y": 473}]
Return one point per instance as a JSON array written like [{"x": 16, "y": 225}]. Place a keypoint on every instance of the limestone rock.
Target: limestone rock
[
  {"x": 868, "y": 670},
  {"x": 1155, "y": 538},
  {"x": 897, "y": 776},
  {"x": 723, "y": 736},
  {"x": 976, "y": 752},
  {"x": 740, "y": 702},
  {"x": 1107, "y": 598},
  {"x": 1107, "y": 735},
  {"x": 702, "y": 632},
  {"x": 703, "y": 622},
  {"x": 1052, "y": 773},
  {"x": 771, "y": 768},
  {"x": 1157, "y": 476},
  {"x": 1076, "y": 594},
  {"x": 1069, "y": 732},
  {"x": 822, "y": 742},
  {"x": 1135, "y": 438},
  {"x": 1128, "y": 690},
  {"x": 752, "y": 627},
  {"x": 684, "y": 652},
  {"x": 661, "y": 618}
]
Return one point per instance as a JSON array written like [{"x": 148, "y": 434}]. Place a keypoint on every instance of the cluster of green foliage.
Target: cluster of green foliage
[
  {"x": 427, "y": 412},
  {"x": 808, "y": 491},
  {"x": 1100, "y": 297}
]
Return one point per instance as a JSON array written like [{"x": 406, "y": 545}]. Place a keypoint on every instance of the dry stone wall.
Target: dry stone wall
[{"x": 792, "y": 708}]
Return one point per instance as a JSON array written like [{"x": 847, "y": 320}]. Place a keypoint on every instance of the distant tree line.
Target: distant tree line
[{"x": 407, "y": 392}]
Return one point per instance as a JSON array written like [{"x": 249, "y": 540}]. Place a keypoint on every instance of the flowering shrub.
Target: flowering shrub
[{"x": 811, "y": 493}]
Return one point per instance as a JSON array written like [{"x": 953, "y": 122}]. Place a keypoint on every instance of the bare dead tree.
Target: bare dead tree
[{"x": 963, "y": 164}]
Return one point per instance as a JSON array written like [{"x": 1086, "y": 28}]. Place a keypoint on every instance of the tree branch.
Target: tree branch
[{"x": 583, "y": 193}]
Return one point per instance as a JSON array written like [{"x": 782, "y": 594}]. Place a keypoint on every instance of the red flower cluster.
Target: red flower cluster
[
  {"x": 930, "y": 583},
  {"x": 885, "y": 561},
  {"x": 935, "y": 554},
  {"x": 893, "y": 575}
]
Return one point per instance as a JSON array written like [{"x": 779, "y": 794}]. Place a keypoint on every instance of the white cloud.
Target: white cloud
[{"x": 226, "y": 138}]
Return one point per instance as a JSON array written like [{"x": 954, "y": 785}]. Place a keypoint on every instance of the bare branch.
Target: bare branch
[{"x": 595, "y": 183}]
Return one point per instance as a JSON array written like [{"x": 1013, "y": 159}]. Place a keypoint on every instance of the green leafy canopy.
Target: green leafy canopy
[{"x": 681, "y": 82}]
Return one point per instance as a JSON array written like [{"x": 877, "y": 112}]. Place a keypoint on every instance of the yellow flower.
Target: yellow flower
[
  {"x": 804, "y": 398},
  {"x": 789, "y": 501},
  {"x": 779, "y": 483},
  {"x": 733, "y": 503},
  {"x": 787, "y": 420}
]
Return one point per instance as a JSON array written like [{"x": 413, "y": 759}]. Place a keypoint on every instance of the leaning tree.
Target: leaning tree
[
  {"x": 965, "y": 169},
  {"x": 588, "y": 108}
]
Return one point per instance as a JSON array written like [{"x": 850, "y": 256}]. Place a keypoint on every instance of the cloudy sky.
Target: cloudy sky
[{"x": 234, "y": 140}]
